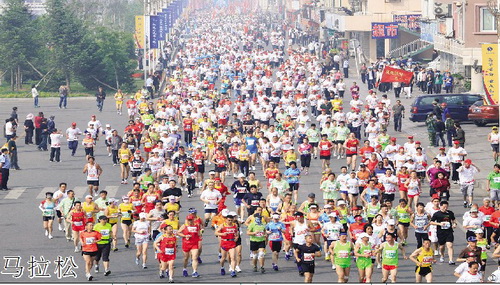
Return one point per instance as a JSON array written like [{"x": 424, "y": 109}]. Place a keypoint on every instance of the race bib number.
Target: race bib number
[
  {"x": 126, "y": 215},
  {"x": 198, "y": 161},
  {"x": 420, "y": 224},
  {"x": 259, "y": 234},
  {"x": 343, "y": 254},
  {"x": 487, "y": 218},
  {"x": 151, "y": 199},
  {"x": 445, "y": 225},
  {"x": 169, "y": 251},
  {"x": 255, "y": 203},
  {"x": 496, "y": 179},
  {"x": 78, "y": 224},
  {"x": 192, "y": 229},
  {"x": 274, "y": 236},
  {"x": 89, "y": 240},
  {"x": 390, "y": 254},
  {"x": 241, "y": 189},
  {"x": 48, "y": 212},
  {"x": 308, "y": 257},
  {"x": 105, "y": 233},
  {"x": 427, "y": 260},
  {"x": 89, "y": 214},
  {"x": 367, "y": 251},
  {"x": 136, "y": 203}
]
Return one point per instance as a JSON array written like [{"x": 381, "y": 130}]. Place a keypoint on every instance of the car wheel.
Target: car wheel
[{"x": 480, "y": 123}]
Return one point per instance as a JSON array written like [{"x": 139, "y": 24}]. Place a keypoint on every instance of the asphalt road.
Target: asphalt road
[{"x": 22, "y": 234}]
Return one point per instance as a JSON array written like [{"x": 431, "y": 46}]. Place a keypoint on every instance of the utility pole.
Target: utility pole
[{"x": 494, "y": 8}]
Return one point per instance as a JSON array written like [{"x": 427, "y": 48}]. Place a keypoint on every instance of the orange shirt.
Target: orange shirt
[{"x": 89, "y": 240}]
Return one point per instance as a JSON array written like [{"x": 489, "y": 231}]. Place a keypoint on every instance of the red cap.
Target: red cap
[
  {"x": 435, "y": 196},
  {"x": 393, "y": 139},
  {"x": 355, "y": 208},
  {"x": 217, "y": 179},
  {"x": 410, "y": 137},
  {"x": 190, "y": 217},
  {"x": 468, "y": 161},
  {"x": 456, "y": 142},
  {"x": 358, "y": 218},
  {"x": 418, "y": 142},
  {"x": 138, "y": 151},
  {"x": 73, "y": 124},
  {"x": 401, "y": 147},
  {"x": 378, "y": 146},
  {"x": 163, "y": 226},
  {"x": 442, "y": 148}
]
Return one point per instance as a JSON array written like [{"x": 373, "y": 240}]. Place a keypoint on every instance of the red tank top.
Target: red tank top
[
  {"x": 78, "y": 219},
  {"x": 230, "y": 232},
  {"x": 193, "y": 231},
  {"x": 167, "y": 245}
]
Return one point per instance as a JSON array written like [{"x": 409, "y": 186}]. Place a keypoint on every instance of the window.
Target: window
[{"x": 486, "y": 20}]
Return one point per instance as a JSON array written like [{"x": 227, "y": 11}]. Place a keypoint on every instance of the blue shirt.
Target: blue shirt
[
  {"x": 294, "y": 172},
  {"x": 324, "y": 218},
  {"x": 276, "y": 229},
  {"x": 251, "y": 143},
  {"x": 5, "y": 160}
]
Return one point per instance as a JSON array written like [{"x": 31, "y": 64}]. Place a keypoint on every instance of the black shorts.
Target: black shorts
[
  {"x": 275, "y": 159},
  {"x": 89, "y": 253},
  {"x": 423, "y": 271},
  {"x": 275, "y": 246},
  {"x": 59, "y": 214},
  {"x": 201, "y": 168},
  {"x": 89, "y": 151},
  {"x": 238, "y": 241},
  {"x": 103, "y": 251},
  {"x": 136, "y": 173},
  {"x": 444, "y": 237},
  {"x": 308, "y": 267},
  {"x": 294, "y": 186},
  {"x": 125, "y": 164},
  {"x": 389, "y": 197},
  {"x": 495, "y": 147},
  {"x": 314, "y": 144},
  {"x": 48, "y": 218},
  {"x": 327, "y": 157},
  {"x": 295, "y": 245},
  {"x": 350, "y": 154},
  {"x": 233, "y": 159},
  {"x": 210, "y": 211},
  {"x": 406, "y": 225},
  {"x": 127, "y": 222},
  {"x": 93, "y": 182},
  {"x": 255, "y": 245},
  {"x": 339, "y": 142},
  {"x": 220, "y": 169}
]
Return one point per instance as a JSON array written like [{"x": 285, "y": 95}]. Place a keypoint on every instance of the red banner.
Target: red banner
[{"x": 391, "y": 74}]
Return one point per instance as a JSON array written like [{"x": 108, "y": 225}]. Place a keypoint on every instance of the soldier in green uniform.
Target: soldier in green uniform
[{"x": 430, "y": 122}]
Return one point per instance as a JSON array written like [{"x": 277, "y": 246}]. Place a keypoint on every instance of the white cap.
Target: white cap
[
  {"x": 171, "y": 197},
  {"x": 225, "y": 212},
  {"x": 341, "y": 202},
  {"x": 332, "y": 215},
  {"x": 88, "y": 196},
  {"x": 108, "y": 126},
  {"x": 241, "y": 175},
  {"x": 363, "y": 235},
  {"x": 327, "y": 206},
  {"x": 391, "y": 222},
  {"x": 232, "y": 213},
  {"x": 479, "y": 231},
  {"x": 276, "y": 216},
  {"x": 142, "y": 215}
]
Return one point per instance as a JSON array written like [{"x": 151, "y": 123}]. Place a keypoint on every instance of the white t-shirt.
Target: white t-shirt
[
  {"x": 212, "y": 196},
  {"x": 469, "y": 278},
  {"x": 466, "y": 175},
  {"x": 55, "y": 140},
  {"x": 389, "y": 187},
  {"x": 73, "y": 134},
  {"x": 141, "y": 227}
]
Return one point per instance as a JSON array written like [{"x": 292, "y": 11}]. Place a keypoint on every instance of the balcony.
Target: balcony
[{"x": 448, "y": 45}]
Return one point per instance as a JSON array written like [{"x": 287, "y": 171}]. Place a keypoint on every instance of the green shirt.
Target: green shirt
[
  {"x": 101, "y": 203},
  {"x": 494, "y": 179},
  {"x": 330, "y": 190},
  {"x": 105, "y": 231},
  {"x": 66, "y": 205},
  {"x": 282, "y": 186},
  {"x": 390, "y": 254},
  {"x": 341, "y": 133},
  {"x": 342, "y": 254},
  {"x": 259, "y": 230},
  {"x": 313, "y": 135}
]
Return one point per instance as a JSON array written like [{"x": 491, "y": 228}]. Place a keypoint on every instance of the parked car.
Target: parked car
[
  {"x": 482, "y": 114},
  {"x": 458, "y": 104}
]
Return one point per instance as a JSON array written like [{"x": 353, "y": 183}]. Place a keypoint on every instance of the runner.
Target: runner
[
  {"x": 125, "y": 212},
  {"x": 305, "y": 255},
  {"x": 228, "y": 233},
  {"x": 341, "y": 251},
  {"x": 191, "y": 236},
  {"x": 93, "y": 172},
  {"x": 103, "y": 245},
  {"x": 47, "y": 207},
  {"x": 142, "y": 231},
  {"x": 89, "y": 239},
  {"x": 275, "y": 230},
  {"x": 423, "y": 258},
  {"x": 390, "y": 258},
  {"x": 165, "y": 245},
  {"x": 364, "y": 252},
  {"x": 125, "y": 156}
]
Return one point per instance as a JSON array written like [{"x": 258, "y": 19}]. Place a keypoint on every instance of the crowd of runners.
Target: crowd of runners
[{"x": 242, "y": 101}]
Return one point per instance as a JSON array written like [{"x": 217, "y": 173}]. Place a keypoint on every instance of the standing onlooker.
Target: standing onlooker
[
  {"x": 459, "y": 134},
  {"x": 363, "y": 71},
  {"x": 440, "y": 128},
  {"x": 63, "y": 96},
  {"x": 399, "y": 114},
  {"x": 72, "y": 134},
  {"x": 493, "y": 184},
  {"x": 449, "y": 124},
  {"x": 149, "y": 86},
  {"x": 430, "y": 122},
  {"x": 100, "y": 97},
  {"x": 44, "y": 135},
  {"x": 345, "y": 66},
  {"x": 12, "y": 147},
  {"x": 438, "y": 82},
  {"x": 35, "y": 95},
  {"x": 55, "y": 145},
  {"x": 10, "y": 130},
  {"x": 448, "y": 82},
  {"x": 4, "y": 168},
  {"x": 29, "y": 128},
  {"x": 38, "y": 131},
  {"x": 115, "y": 141}
]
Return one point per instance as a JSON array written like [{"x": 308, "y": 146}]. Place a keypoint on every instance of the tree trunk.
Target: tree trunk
[
  {"x": 19, "y": 78},
  {"x": 12, "y": 79},
  {"x": 68, "y": 82}
]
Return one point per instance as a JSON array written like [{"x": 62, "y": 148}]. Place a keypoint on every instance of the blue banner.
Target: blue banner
[
  {"x": 385, "y": 30},
  {"x": 166, "y": 14},
  {"x": 161, "y": 26},
  {"x": 153, "y": 31}
]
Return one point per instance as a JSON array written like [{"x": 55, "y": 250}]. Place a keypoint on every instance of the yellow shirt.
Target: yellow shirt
[
  {"x": 124, "y": 155},
  {"x": 172, "y": 207},
  {"x": 124, "y": 210},
  {"x": 113, "y": 212},
  {"x": 174, "y": 223},
  {"x": 289, "y": 157},
  {"x": 119, "y": 97},
  {"x": 89, "y": 209}
]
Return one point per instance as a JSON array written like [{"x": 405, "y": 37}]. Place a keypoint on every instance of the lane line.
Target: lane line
[
  {"x": 41, "y": 195},
  {"x": 15, "y": 193}
]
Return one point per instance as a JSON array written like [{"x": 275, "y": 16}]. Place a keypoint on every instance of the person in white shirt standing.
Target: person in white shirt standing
[
  {"x": 466, "y": 174},
  {"x": 55, "y": 145}
]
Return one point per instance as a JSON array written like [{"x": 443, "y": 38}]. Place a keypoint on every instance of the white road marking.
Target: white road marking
[{"x": 15, "y": 193}]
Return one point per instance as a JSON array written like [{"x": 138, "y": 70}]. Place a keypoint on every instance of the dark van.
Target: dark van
[{"x": 458, "y": 104}]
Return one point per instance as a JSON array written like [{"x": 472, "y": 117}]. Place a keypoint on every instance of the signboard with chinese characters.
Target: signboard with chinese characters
[
  {"x": 385, "y": 30},
  {"x": 490, "y": 72},
  {"x": 154, "y": 32},
  {"x": 139, "y": 31},
  {"x": 411, "y": 22},
  {"x": 427, "y": 31}
]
